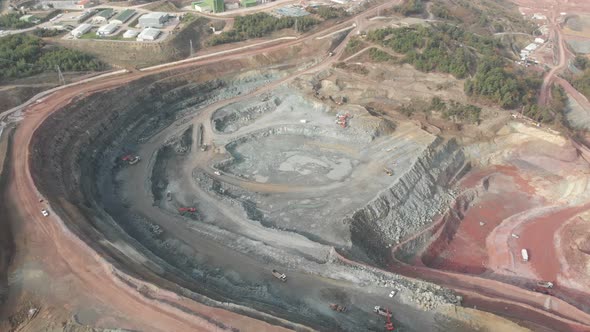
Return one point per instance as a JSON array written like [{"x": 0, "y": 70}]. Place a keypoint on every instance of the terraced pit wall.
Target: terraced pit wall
[
  {"x": 76, "y": 157},
  {"x": 410, "y": 204}
]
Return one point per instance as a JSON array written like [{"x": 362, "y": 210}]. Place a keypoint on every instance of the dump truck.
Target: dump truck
[
  {"x": 388, "y": 171},
  {"x": 187, "y": 209},
  {"x": 337, "y": 307},
  {"x": 525, "y": 255},
  {"x": 281, "y": 276}
]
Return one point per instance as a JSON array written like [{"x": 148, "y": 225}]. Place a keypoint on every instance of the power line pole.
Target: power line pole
[{"x": 62, "y": 80}]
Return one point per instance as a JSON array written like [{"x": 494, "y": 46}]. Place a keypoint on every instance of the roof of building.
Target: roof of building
[
  {"x": 124, "y": 15},
  {"x": 130, "y": 33},
  {"x": 155, "y": 15},
  {"x": 108, "y": 28},
  {"x": 107, "y": 13},
  {"x": 149, "y": 33},
  {"x": 82, "y": 28},
  {"x": 26, "y": 17}
]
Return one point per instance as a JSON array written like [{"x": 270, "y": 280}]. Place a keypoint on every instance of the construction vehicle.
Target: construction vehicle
[
  {"x": 187, "y": 209},
  {"x": 525, "y": 255},
  {"x": 388, "y": 171},
  {"x": 545, "y": 284},
  {"x": 204, "y": 147},
  {"x": 281, "y": 276},
  {"x": 389, "y": 325},
  {"x": 381, "y": 311},
  {"x": 337, "y": 307},
  {"x": 342, "y": 119},
  {"x": 131, "y": 159},
  {"x": 330, "y": 53}
]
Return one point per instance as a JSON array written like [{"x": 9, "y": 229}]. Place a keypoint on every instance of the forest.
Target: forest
[
  {"x": 260, "y": 25},
  {"x": 23, "y": 55},
  {"x": 449, "y": 49}
]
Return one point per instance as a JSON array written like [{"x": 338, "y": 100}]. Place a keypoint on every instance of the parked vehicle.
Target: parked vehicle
[{"x": 281, "y": 276}]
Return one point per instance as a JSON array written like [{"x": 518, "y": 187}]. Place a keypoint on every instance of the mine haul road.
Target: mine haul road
[{"x": 94, "y": 273}]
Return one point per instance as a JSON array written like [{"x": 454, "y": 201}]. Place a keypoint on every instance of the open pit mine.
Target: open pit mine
[{"x": 215, "y": 197}]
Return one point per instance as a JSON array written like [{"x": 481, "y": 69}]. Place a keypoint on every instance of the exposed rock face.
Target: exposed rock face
[{"x": 411, "y": 202}]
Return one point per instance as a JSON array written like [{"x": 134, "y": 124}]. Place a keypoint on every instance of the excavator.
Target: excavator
[
  {"x": 187, "y": 209},
  {"x": 388, "y": 171},
  {"x": 385, "y": 312}
]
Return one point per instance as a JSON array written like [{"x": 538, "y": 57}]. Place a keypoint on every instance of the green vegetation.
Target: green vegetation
[
  {"x": 354, "y": 45},
  {"x": 451, "y": 110},
  {"x": 581, "y": 62},
  {"x": 44, "y": 33},
  {"x": 260, "y": 25},
  {"x": 410, "y": 7},
  {"x": 377, "y": 55},
  {"x": 23, "y": 55},
  {"x": 559, "y": 99},
  {"x": 355, "y": 68},
  {"x": 450, "y": 49},
  {"x": 461, "y": 113},
  {"x": 582, "y": 83},
  {"x": 11, "y": 21},
  {"x": 328, "y": 13},
  {"x": 443, "y": 47},
  {"x": 494, "y": 82},
  {"x": 188, "y": 17},
  {"x": 441, "y": 11}
]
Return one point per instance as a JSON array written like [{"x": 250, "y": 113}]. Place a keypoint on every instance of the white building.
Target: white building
[
  {"x": 108, "y": 29},
  {"x": 81, "y": 29},
  {"x": 153, "y": 20},
  {"x": 149, "y": 34},
  {"x": 531, "y": 47},
  {"x": 66, "y": 4},
  {"x": 130, "y": 33},
  {"x": 539, "y": 40}
]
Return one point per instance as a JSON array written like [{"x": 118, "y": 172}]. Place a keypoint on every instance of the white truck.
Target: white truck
[{"x": 525, "y": 255}]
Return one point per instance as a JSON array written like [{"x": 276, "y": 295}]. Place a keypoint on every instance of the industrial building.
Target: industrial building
[
  {"x": 248, "y": 3},
  {"x": 108, "y": 29},
  {"x": 153, "y": 20},
  {"x": 149, "y": 34},
  {"x": 130, "y": 33},
  {"x": 66, "y": 4},
  {"x": 104, "y": 16},
  {"x": 123, "y": 16},
  {"x": 201, "y": 6},
  {"x": 81, "y": 29},
  {"x": 232, "y": 4},
  {"x": 85, "y": 15},
  {"x": 217, "y": 6}
]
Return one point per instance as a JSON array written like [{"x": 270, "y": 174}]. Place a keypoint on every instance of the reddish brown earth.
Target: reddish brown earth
[{"x": 467, "y": 252}]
